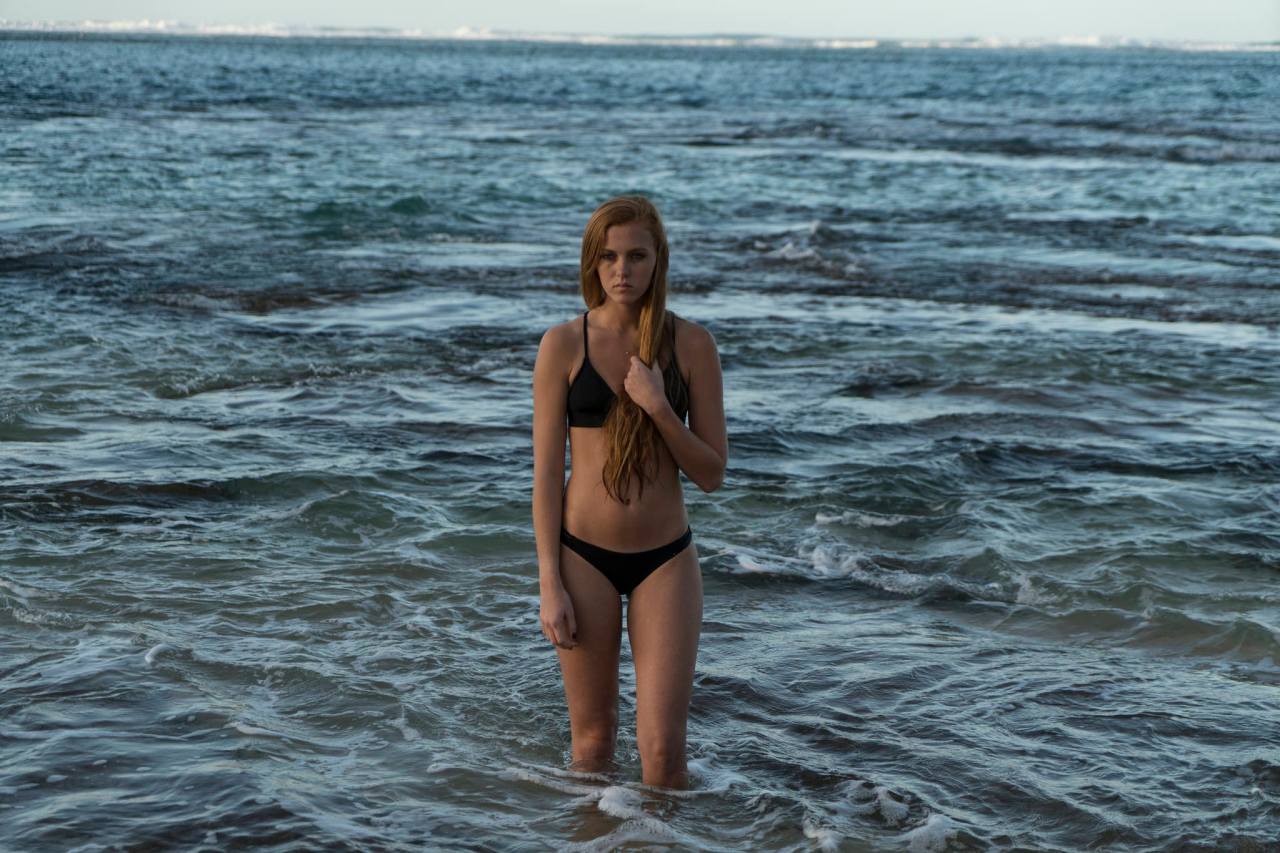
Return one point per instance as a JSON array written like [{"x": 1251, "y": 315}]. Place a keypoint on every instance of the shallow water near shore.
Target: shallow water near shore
[{"x": 995, "y": 563}]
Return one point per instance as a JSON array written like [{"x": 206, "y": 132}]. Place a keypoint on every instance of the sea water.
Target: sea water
[{"x": 995, "y": 562}]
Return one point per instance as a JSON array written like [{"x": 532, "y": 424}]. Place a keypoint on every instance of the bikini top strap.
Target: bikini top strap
[{"x": 584, "y": 332}]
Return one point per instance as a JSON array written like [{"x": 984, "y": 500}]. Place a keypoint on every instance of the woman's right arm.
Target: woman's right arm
[{"x": 550, "y": 393}]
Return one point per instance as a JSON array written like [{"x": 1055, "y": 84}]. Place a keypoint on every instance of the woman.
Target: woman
[{"x": 623, "y": 376}]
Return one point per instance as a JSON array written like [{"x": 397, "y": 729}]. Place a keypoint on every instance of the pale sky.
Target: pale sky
[{"x": 1177, "y": 20}]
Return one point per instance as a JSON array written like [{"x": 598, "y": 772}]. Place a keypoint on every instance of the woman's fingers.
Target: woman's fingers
[
  {"x": 566, "y": 632},
  {"x": 558, "y": 623},
  {"x": 563, "y": 632}
]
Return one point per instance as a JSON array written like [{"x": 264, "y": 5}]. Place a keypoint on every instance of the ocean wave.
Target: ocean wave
[
  {"x": 41, "y": 252},
  {"x": 1240, "y": 638},
  {"x": 19, "y": 428},
  {"x": 125, "y": 502},
  {"x": 1014, "y": 456},
  {"x": 922, "y": 580},
  {"x": 876, "y": 378},
  {"x": 1103, "y": 154},
  {"x": 207, "y": 383},
  {"x": 95, "y": 492},
  {"x": 816, "y": 246}
]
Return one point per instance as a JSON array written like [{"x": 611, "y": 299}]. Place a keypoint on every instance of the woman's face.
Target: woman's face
[{"x": 627, "y": 261}]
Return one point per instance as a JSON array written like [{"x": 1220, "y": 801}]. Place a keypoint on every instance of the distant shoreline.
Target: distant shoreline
[{"x": 281, "y": 31}]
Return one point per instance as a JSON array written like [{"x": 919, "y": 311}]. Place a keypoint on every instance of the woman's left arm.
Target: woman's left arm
[{"x": 700, "y": 449}]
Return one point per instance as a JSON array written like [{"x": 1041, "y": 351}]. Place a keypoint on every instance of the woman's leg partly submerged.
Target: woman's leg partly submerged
[
  {"x": 664, "y": 621},
  {"x": 590, "y": 669}
]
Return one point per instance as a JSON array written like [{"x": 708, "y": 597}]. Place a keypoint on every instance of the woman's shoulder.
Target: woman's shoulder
[
  {"x": 564, "y": 326},
  {"x": 691, "y": 335},
  {"x": 561, "y": 339}
]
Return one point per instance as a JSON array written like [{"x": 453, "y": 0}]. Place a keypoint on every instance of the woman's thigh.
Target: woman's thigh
[
  {"x": 664, "y": 622},
  {"x": 590, "y": 669}
]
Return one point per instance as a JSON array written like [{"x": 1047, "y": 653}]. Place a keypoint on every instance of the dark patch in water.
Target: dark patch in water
[{"x": 414, "y": 205}]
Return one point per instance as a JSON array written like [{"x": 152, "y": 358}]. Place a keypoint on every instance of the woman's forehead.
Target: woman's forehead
[{"x": 629, "y": 235}]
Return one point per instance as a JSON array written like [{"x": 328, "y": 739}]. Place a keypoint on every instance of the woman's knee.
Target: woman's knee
[
  {"x": 662, "y": 752},
  {"x": 598, "y": 728},
  {"x": 594, "y": 741}
]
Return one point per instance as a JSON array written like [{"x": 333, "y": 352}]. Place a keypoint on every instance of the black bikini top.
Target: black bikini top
[{"x": 590, "y": 396}]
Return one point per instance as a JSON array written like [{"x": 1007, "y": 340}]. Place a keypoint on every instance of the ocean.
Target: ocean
[{"x": 995, "y": 562}]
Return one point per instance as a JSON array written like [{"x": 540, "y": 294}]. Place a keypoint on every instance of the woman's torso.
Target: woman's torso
[{"x": 589, "y": 512}]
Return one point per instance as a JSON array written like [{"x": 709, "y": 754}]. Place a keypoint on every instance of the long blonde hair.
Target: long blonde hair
[{"x": 632, "y": 441}]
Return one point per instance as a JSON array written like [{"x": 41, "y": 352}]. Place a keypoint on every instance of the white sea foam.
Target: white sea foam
[
  {"x": 862, "y": 519},
  {"x": 891, "y": 809},
  {"x": 520, "y": 774},
  {"x": 276, "y": 30},
  {"x": 768, "y": 564},
  {"x": 791, "y": 252},
  {"x": 749, "y": 563},
  {"x": 620, "y": 801},
  {"x": 45, "y": 618},
  {"x": 826, "y": 839},
  {"x": 1027, "y": 593},
  {"x": 829, "y": 562},
  {"x": 713, "y": 778},
  {"x": 623, "y": 802},
  {"x": 864, "y": 801},
  {"x": 931, "y": 836},
  {"x": 155, "y": 651}
]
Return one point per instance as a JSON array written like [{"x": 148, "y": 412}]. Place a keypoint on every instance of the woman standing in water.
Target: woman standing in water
[{"x": 619, "y": 380}]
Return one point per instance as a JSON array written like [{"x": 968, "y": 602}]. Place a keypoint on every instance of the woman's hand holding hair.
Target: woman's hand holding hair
[{"x": 644, "y": 386}]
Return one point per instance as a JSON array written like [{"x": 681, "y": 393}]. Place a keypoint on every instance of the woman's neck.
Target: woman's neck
[{"x": 623, "y": 319}]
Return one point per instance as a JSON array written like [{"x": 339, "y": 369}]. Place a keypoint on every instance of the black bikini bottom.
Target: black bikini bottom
[{"x": 626, "y": 569}]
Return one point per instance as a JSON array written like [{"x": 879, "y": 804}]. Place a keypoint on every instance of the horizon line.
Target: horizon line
[{"x": 147, "y": 26}]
